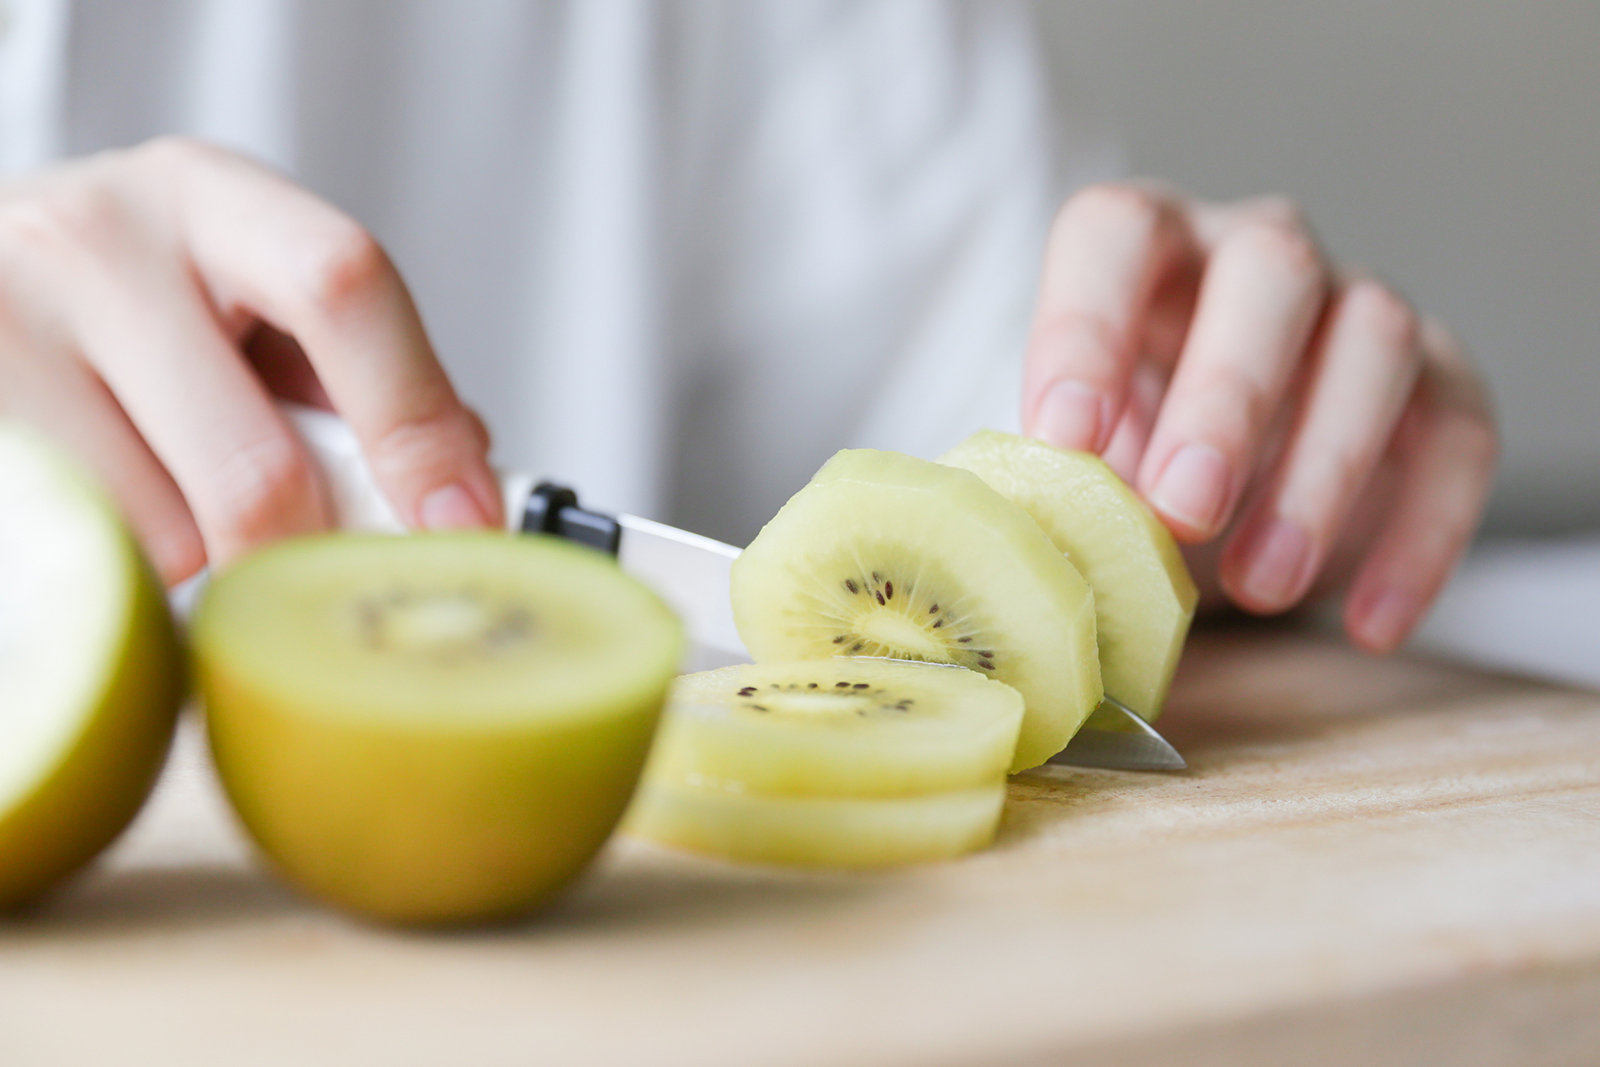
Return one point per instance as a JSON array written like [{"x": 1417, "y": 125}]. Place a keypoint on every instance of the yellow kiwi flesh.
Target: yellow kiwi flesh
[
  {"x": 1143, "y": 594},
  {"x": 849, "y": 726},
  {"x": 817, "y": 831},
  {"x": 885, "y": 555}
]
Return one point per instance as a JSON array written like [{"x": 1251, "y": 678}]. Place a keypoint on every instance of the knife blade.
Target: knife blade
[
  {"x": 688, "y": 571},
  {"x": 1115, "y": 737}
]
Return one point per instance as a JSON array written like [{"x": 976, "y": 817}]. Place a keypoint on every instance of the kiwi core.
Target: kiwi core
[
  {"x": 918, "y": 617},
  {"x": 819, "y": 700},
  {"x": 445, "y": 623}
]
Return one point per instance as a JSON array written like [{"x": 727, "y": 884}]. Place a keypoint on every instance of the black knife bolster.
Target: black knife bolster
[{"x": 553, "y": 509}]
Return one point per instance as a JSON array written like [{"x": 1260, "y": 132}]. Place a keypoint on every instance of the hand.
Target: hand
[
  {"x": 1257, "y": 396},
  {"x": 152, "y": 301}
]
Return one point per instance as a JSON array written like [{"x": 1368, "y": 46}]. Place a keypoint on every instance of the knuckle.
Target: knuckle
[
  {"x": 1113, "y": 203},
  {"x": 1064, "y": 325},
  {"x": 1382, "y": 312},
  {"x": 1239, "y": 398},
  {"x": 420, "y": 437},
  {"x": 259, "y": 486},
  {"x": 175, "y": 151},
  {"x": 345, "y": 264},
  {"x": 1285, "y": 248},
  {"x": 76, "y": 218},
  {"x": 1278, "y": 210},
  {"x": 1473, "y": 439}
]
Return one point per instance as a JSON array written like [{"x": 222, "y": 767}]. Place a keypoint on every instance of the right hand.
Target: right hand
[{"x": 153, "y": 301}]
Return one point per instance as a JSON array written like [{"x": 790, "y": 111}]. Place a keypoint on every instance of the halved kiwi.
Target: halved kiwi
[
  {"x": 1143, "y": 595},
  {"x": 815, "y": 831},
  {"x": 433, "y": 728},
  {"x": 91, "y": 670},
  {"x": 847, "y": 727},
  {"x": 882, "y": 554}
]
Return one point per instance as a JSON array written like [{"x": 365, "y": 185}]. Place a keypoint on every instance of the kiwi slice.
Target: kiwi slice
[
  {"x": 885, "y": 555},
  {"x": 1143, "y": 595},
  {"x": 436, "y": 728},
  {"x": 816, "y": 831},
  {"x": 847, "y": 727},
  {"x": 91, "y": 669}
]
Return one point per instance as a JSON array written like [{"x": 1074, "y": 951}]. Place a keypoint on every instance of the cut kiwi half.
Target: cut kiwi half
[
  {"x": 816, "y": 831},
  {"x": 1144, "y": 597},
  {"x": 91, "y": 670},
  {"x": 434, "y": 728},
  {"x": 882, "y": 554},
  {"x": 850, "y": 727}
]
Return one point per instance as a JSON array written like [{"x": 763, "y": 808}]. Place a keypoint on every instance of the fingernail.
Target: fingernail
[
  {"x": 1071, "y": 415},
  {"x": 1194, "y": 487},
  {"x": 450, "y": 507},
  {"x": 1388, "y": 618},
  {"x": 1278, "y": 554}
]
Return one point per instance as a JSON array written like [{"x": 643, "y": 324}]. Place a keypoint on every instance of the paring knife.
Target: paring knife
[{"x": 688, "y": 571}]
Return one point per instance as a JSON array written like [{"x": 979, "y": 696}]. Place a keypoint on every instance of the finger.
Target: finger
[
  {"x": 150, "y": 335},
  {"x": 315, "y": 274},
  {"x": 1447, "y": 447},
  {"x": 1259, "y": 302},
  {"x": 1364, "y": 366},
  {"x": 1109, "y": 250},
  {"x": 1132, "y": 432},
  {"x": 45, "y": 382},
  {"x": 73, "y": 407}
]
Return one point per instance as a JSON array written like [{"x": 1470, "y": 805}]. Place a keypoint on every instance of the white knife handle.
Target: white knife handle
[{"x": 358, "y": 503}]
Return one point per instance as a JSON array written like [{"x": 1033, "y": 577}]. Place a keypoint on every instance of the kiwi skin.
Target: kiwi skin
[
  {"x": 103, "y": 780},
  {"x": 490, "y": 828}
]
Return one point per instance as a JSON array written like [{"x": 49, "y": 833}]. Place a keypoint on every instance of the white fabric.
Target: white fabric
[
  {"x": 1526, "y": 606},
  {"x": 676, "y": 253}
]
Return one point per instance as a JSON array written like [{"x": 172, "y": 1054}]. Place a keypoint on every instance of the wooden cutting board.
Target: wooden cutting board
[{"x": 1370, "y": 862}]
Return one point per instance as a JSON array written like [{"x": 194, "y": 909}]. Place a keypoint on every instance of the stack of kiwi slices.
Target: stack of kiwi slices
[
  {"x": 851, "y": 761},
  {"x": 902, "y": 612}
]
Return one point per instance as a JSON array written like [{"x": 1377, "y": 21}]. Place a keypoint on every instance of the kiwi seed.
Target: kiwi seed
[
  {"x": 851, "y": 693},
  {"x": 897, "y": 623}
]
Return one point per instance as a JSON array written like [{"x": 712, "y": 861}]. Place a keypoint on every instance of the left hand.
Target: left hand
[{"x": 1304, "y": 417}]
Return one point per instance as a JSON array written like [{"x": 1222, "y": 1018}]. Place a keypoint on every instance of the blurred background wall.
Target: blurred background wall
[{"x": 1453, "y": 146}]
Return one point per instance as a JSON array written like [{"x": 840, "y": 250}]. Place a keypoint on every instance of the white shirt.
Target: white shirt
[{"x": 675, "y": 253}]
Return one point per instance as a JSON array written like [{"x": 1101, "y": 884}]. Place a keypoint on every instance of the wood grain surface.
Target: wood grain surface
[{"x": 1370, "y": 862}]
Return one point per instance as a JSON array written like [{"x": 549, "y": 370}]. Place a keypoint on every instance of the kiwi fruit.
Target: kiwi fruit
[
  {"x": 91, "y": 670},
  {"x": 432, "y": 728},
  {"x": 842, "y": 762},
  {"x": 1143, "y": 595},
  {"x": 882, "y": 554}
]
